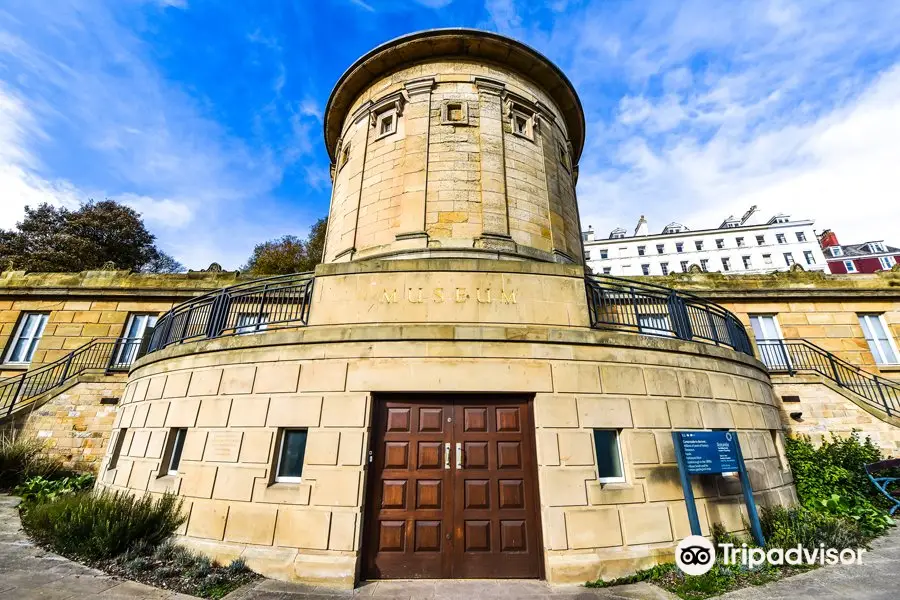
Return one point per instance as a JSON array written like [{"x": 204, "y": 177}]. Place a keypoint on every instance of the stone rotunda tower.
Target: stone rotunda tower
[
  {"x": 454, "y": 144},
  {"x": 478, "y": 409}
]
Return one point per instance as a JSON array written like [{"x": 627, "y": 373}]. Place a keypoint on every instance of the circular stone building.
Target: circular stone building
[{"x": 479, "y": 408}]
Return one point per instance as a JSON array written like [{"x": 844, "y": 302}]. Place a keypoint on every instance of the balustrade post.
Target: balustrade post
[
  {"x": 787, "y": 359},
  {"x": 681, "y": 324},
  {"x": 15, "y": 397},
  {"x": 834, "y": 370},
  {"x": 217, "y": 316},
  {"x": 887, "y": 408},
  {"x": 65, "y": 372}
]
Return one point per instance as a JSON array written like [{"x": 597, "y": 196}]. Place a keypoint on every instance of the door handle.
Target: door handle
[
  {"x": 458, "y": 456},
  {"x": 447, "y": 455}
]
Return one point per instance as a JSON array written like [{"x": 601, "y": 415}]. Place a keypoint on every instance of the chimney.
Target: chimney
[
  {"x": 827, "y": 239},
  {"x": 751, "y": 217},
  {"x": 642, "y": 228}
]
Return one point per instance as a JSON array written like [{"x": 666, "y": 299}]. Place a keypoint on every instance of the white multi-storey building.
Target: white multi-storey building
[{"x": 739, "y": 245}]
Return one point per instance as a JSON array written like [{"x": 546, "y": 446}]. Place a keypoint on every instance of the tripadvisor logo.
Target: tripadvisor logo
[{"x": 695, "y": 555}]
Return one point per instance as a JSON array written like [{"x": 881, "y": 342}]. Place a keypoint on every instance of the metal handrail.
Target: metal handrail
[
  {"x": 270, "y": 303},
  {"x": 793, "y": 355},
  {"x": 617, "y": 303},
  {"x": 106, "y": 354}
]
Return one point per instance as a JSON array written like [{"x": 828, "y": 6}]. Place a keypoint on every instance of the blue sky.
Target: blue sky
[{"x": 205, "y": 115}]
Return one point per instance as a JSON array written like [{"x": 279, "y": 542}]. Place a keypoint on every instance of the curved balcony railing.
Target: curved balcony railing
[
  {"x": 617, "y": 303},
  {"x": 263, "y": 304}
]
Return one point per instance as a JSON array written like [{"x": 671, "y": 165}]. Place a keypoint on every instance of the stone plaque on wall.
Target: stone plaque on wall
[{"x": 223, "y": 446}]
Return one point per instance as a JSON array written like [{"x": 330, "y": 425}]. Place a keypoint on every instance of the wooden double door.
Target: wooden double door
[{"x": 452, "y": 489}]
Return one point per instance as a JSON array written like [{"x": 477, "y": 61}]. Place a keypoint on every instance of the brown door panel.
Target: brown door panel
[{"x": 428, "y": 519}]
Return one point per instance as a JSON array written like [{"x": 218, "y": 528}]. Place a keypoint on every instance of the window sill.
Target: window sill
[
  {"x": 15, "y": 366},
  {"x": 286, "y": 485},
  {"x": 889, "y": 368},
  {"x": 615, "y": 485}
]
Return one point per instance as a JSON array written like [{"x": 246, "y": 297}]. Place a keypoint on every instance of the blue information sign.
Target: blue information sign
[{"x": 709, "y": 452}]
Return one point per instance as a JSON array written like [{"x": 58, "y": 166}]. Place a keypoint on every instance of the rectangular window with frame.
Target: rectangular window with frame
[
  {"x": 740, "y": 242},
  {"x": 386, "y": 124},
  {"x": 291, "y": 450},
  {"x": 587, "y": 255},
  {"x": 879, "y": 339},
  {"x": 698, "y": 245},
  {"x": 748, "y": 264},
  {"x": 887, "y": 262},
  {"x": 801, "y": 237},
  {"x": 645, "y": 269},
  {"x": 850, "y": 266},
  {"x": 767, "y": 258},
  {"x": 779, "y": 237},
  {"x": 720, "y": 243},
  {"x": 25, "y": 340},
  {"x": 604, "y": 254},
  {"x": 117, "y": 449},
  {"x": 609, "y": 456},
  {"x": 760, "y": 240},
  {"x": 726, "y": 264},
  {"x": 704, "y": 265},
  {"x": 607, "y": 270},
  {"x": 664, "y": 267},
  {"x": 130, "y": 342},
  {"x": 769, "y": 340},
  {"x": 788, "y": 258},
  {"x": 684, "y": 266},
  {"x": 660, "y": 248},
  {"x": 175, "y": 446},
  {"x": 808, "y": 257},
  {"x": 641, "y": 250},
  {"x": 679, "y": 246}
]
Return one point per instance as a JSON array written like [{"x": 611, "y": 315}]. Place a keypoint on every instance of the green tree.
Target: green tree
[
  {"x": 289, "y": 254},
  {"x": 54, "y": 240}
]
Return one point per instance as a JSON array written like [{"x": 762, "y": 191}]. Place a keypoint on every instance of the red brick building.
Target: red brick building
[{"x": 868, "y": 257}]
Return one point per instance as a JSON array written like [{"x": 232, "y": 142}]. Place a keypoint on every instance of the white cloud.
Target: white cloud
[{"x": 700, "y": 108}]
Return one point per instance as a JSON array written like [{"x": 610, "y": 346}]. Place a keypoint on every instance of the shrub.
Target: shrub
[
  {"x": 20, "y": 458},
  {"x": 832, "y": 479},
  {"x": 101, "y": 525},
  {"x": 788, "y": 527},
  {"x": 41, "y": 489}
]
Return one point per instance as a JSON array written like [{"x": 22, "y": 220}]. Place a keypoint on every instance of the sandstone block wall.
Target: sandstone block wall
[
  {"x": 826, "y": 411},
  {"x": 76, "y": 420},
  {"x": 234, "y": 402}
]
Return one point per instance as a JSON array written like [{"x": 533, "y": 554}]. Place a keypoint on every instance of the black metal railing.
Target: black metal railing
[
  {"x": 649, "y": 309},
  {"x": 271, "y": 303},
  {"x": 101, "y": 354},
  {"x": 793, "y": 356}
]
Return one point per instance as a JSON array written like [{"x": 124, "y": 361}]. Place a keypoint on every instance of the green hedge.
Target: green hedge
[{"x": 100, "y": 525}]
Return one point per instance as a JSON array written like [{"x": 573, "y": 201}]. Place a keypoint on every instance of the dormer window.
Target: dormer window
[
  {"x": 673, "y": 228},
  {"x": 876, "y": 247},
  {"x": 617, "y": 234},
  {"x": 836, "y": 251}
]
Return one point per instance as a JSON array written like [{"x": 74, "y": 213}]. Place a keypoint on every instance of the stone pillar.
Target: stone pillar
[
  {"x": 416, "y": 116},
  {"x": 494, "y": 203}
]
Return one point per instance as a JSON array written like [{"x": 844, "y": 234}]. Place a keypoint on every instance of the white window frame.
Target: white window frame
[
  {"x": 876, "y": 344},
  {"x": 740, "y": 242},
  {"x": 767, "y": 259},
  {"x": 604, "y": 254},
  {"x": 618, "y": 433},
  {"x": 876, "y": 247},
  {"x": 801, "y": 236},
  {"x": 607, "y": 270},
  {"x": 645, "y": 269},
  {"x": 836, "y": 251},
  {"x": 760, "y": 240},
  {"x": 33, "y": 336},
  {"x": 660, "y": 248},
  {"x": 642, "y": 250},
  {"x": 698, "y": 244},
  {"x": 726, "y": 264},
  {"x": 720, "y": 243},
  {"x": 279, "y": 478},
  {"x": 176, "y": 448},
  {"x": 789, "y": 259},
  {"x": 748, "y": 262},
  {"x": 704, "y": 265},
  {"x": 130, "y": 344},
  {"x": 781, "y": 238},
  {"x": 887, "y": 262},
  {"x": 773, "y": 351},
  {"x": 684, "y": 266},
  {"x": 679, "y": 247},
  {"x": 664, "y": 267},
  {"x": 850, "y": 266},
  {"x": 809, "y": 257}
]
